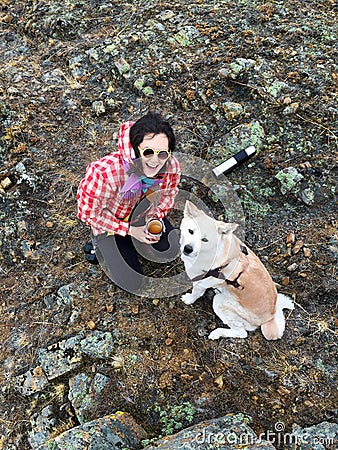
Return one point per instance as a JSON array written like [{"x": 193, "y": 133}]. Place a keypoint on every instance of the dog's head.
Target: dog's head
[{"x": 202, "y": 237}]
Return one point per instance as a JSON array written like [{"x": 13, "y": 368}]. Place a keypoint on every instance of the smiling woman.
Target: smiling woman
[
  {"x": 121, "y": 192},
  {"x": 153, "y": 160}
]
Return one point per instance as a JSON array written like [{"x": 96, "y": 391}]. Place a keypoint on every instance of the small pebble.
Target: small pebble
[
  {"x": 298, "y": 246},
  {"x": 219, "y": 381},
  {"x": 285, "y": 281},
  {"x": 91, "y": 325},
  {"x": 307, "y": 252},
  {"x": 6, "y": 183},
  {"x": 292, "y": 267},
  {"x": 290, "y": 238}
]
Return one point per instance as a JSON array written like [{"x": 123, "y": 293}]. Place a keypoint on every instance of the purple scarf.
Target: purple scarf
[{"x": 135, "y": 184}]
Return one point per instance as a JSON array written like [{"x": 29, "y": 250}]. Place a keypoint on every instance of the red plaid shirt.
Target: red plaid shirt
[{"x": 100, "y": 204}]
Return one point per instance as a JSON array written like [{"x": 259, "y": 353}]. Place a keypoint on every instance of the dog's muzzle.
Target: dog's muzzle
[{"x": 187, "y": 249}]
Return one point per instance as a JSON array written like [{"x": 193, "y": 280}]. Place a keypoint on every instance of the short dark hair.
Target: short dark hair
[{"x": 151, "y": 123}]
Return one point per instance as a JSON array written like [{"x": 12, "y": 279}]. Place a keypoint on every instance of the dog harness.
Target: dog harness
[{"x": 216, "y": 273}]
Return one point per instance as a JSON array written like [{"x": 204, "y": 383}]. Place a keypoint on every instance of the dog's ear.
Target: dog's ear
[
  {"x": 226, "y": 228},
  {"x": 190, "y": 210}
]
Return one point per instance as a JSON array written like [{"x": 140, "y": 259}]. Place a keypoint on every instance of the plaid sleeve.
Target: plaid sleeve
[
  {"x": 169, "y": 190},
  {"x": 95, "y": 192}
]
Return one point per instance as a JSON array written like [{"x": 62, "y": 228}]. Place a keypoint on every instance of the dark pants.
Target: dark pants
[{"x": 118, "y": 255}]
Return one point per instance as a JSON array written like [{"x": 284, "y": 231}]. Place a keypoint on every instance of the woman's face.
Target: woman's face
[{"x": 151, "y": 166}]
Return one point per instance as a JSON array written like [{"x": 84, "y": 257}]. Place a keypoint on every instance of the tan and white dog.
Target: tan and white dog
[{"x": 246, "y": 297}]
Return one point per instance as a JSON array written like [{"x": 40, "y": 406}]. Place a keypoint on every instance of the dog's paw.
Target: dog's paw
[
  {"x": 214, "y": 335},
  {"x": 188, "y": 299},
  {"x": 228, "y": 333}
]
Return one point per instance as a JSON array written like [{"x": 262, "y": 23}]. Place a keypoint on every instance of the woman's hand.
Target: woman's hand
[{"x": 140, "y": 233}]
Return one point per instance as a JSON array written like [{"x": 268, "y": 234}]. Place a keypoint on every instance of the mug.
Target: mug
[{"x": 154, "y": 227}]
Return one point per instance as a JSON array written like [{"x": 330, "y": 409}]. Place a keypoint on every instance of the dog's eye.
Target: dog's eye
[
  {"x": 191, "y": 231},
  {"x": 204, "y": 240}
]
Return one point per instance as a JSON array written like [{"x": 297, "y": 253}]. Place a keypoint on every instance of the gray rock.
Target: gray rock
[
  {"x": 307, "y": 196},
  {"x": 42, "y": 425},
  {"x": 50, "y": 301},
  {"x": 318, "y": 437},
  {"x": 245, "y": 63},
  {"x": 113, "y": 432},
  {"x": 64, "y": 356},
  {"x": 78, "y": 396},
  {"x": 232, "y": 110},
  {"x": 275, "y": 89},
  {"x": 60, "y": 358},
  {"x": 148, "y": 91},
  {"x": 64, "y": 295},
  {"x": 292, "y": 267},
  {"x": 333, "y": 245},
  {"x": 53, "y": 78},
  {"x": 187, "y": 35},
  {"x": 32, "y": 381},
  {"x": 225, "y": 433},
  {"x": 84, "y": 394},
  {"x": 98, "y": 344},
  {"x": 26, "y": 248},
  {"x": 288, "y": 179},
  {"x": 122, "y": 66},
  {"x": 112, "y": 49},
  {"x": 233, "y": 69},
  {"x": 93, "y": 53},
  {"x": 98, "y": 107},
  {"x": 244, "y": 136}
]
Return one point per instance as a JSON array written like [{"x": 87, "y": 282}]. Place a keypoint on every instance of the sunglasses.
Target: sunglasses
[{"x": 150, "y": 152}]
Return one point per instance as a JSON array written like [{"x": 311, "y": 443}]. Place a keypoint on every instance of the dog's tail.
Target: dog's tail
[{"x": 274, "y": 329}]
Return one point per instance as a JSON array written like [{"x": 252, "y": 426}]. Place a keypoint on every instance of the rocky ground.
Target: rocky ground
[{"x": 228, "y": 75}]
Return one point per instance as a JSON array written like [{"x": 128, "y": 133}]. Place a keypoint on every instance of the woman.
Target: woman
[{"x": 123, "y": 190}]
